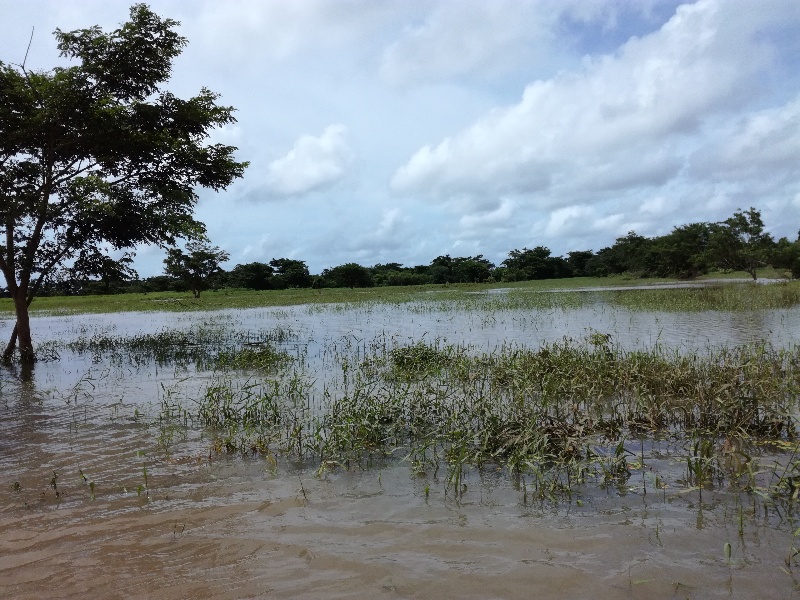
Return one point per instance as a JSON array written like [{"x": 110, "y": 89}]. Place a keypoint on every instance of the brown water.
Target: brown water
[{"x": 209, "y": 526}]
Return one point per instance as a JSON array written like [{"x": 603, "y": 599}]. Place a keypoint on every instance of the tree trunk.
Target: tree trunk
[
  {"x": 23, "y": 328},
  {"x": 12, "y": 345}
]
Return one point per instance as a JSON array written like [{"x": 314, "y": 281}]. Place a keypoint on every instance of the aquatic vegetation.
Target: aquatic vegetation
[
  {"x": 729, "y": 297},
  {"x": 559, "y": 415},
  {"x": 256, "y": 357},
  {"x": 555, "y": 415},
  {"x": 203, "y": 346}
]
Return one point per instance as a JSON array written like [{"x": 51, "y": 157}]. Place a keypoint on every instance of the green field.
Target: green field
[{"x": 720, "y": 296}]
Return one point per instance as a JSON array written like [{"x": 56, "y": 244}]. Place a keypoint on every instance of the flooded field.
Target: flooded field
[{"x": 270, "y": 453}]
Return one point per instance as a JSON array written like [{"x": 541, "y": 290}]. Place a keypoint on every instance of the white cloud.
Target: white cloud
[
  {"x": 313, "y": 163},
  {"x": 390, "y": 223},
  {"x": 569, "y": 221},
  {"x": 620, "y": 121},
  {"x": 765, "y": 142},
  {"x": 489, "y": 220},
  {"x": 457, "y": 38},
  {"x": 656, "y": 206},
  {"x": 488, "y": 40},
  {"x": 276, "y": 30}
]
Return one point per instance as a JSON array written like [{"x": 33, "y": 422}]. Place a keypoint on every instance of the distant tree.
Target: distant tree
[
  {"x": 471, "y": 269},
  {"x": 525, "y": 264},
  {"x": 196, "y": 266},
  {"x": 786, "y": 255},
  {"x": 383, "y": 274},
  {"x": 161, "y": 283},
  {"x": 681, "y": 253},
  {"x": 740, "y": 243},
  {"x": 629, "y": 254},
  {"x": 108, "y": 270},
  {"x": 254, "y": 276},
  {"x": 290, "y": 273},
  {"x": 441, "y": 269},
  {"x": 350, "y": 275},
  {"x": 407, "y": 277},
  {"x": 461, "y": 269},
  {"x": 577, "y": 260},
  {"x": 99, "y": 154}
]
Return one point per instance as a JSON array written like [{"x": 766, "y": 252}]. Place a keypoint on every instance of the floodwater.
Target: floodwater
[{"x": 131, "y": 514}]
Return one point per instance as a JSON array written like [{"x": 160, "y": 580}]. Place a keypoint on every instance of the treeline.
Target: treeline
[{"x": 736, "y": 244}]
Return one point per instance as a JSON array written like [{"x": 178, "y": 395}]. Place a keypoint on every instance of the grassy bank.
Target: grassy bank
[{"x": 715, "y": 297}]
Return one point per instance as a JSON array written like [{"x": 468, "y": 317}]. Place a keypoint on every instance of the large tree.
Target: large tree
[
  {"x": 98, "y": 153},
  {"x": 254, "y": 276},
  {"x": 350, "y": 275},
  {"x": 196, "y": 266},
  {"x": 290, "y": 273},
  {"x": 740, "y": 243}
]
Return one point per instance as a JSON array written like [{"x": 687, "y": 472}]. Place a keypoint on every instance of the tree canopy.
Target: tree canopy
[
  {"x": 740, "y": 242},
  {"x": 196, "y": 266},
  {"x": 99, "y": 154}
]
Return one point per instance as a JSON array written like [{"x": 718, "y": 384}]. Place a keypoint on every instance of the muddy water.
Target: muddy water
[{"x": 165, "y": 519}]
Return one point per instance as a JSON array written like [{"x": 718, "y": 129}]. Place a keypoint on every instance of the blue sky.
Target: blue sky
[{"x": 400, "y": 130}]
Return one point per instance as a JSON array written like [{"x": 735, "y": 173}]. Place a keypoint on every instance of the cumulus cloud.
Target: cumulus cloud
[
  {"x": 569, "y": 221},
  {"x": 466, "y": 37},
  {"x": 487, "y": 40},
  {"x": 496, "y": 219},
  {"x": 276, "y": 30},
  {"x": 620, "y": 121},
  {"x": 767, "y": 141},
  {"x": 391, "y": 232},
  {"x": 313, "y": 163}
]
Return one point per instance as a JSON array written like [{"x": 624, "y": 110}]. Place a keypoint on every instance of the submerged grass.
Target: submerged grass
[
  {"x": 727, "y": 297},
  {"x": 558, "y": 416},
  {"x": 553, "y": 418},
  {"x": 205, "y": 346}
]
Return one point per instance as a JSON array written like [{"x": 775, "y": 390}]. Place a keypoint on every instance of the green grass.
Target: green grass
[
  {"x": 727, "y": 297},
  {"x": 207, "y": 345},
  {"x": 456, "y": 295},
  {"x": 558, "y": 415}
]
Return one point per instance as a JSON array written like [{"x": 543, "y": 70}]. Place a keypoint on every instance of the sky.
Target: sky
[{"x": 402, "y": 130}]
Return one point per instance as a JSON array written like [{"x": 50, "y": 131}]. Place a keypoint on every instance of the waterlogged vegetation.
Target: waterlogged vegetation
[
  {"x": 560, "y": 418},
  {"x": 205, "y": 346},
  {"x": 728, "y": 297},
  {"x": 733, "y": 294},
  {"x": 370, "y": 385}
]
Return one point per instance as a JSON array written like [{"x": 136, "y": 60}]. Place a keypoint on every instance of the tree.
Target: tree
[
  {"x": 786, "y": 255},
  {"x": 471, "y": 269},
  {"x": 461, "y": 269},
  {"x": 740, "y": 243},
  {"x": 578, "y": 260},
  {"x": 195, "y": 267},
  {"x": 255, "y": 276},
  {"x": 108, "y": 270},
  {"x": 290, "y": 273},
  {"x": 682, "y": 252},
  {"x": 528, "y": 264},
  {"x": 629, "y": 254},
  {"x": 98, "y": 154},
  {"x": 350, "y": 275}
]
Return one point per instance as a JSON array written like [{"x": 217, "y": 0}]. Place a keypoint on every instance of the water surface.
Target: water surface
[{"x": 170, "y": 519}]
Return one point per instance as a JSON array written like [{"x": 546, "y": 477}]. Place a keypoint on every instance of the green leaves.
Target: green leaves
[
  {"x": 196, "y": 266},
  {"x": 97, "y": 154}
]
